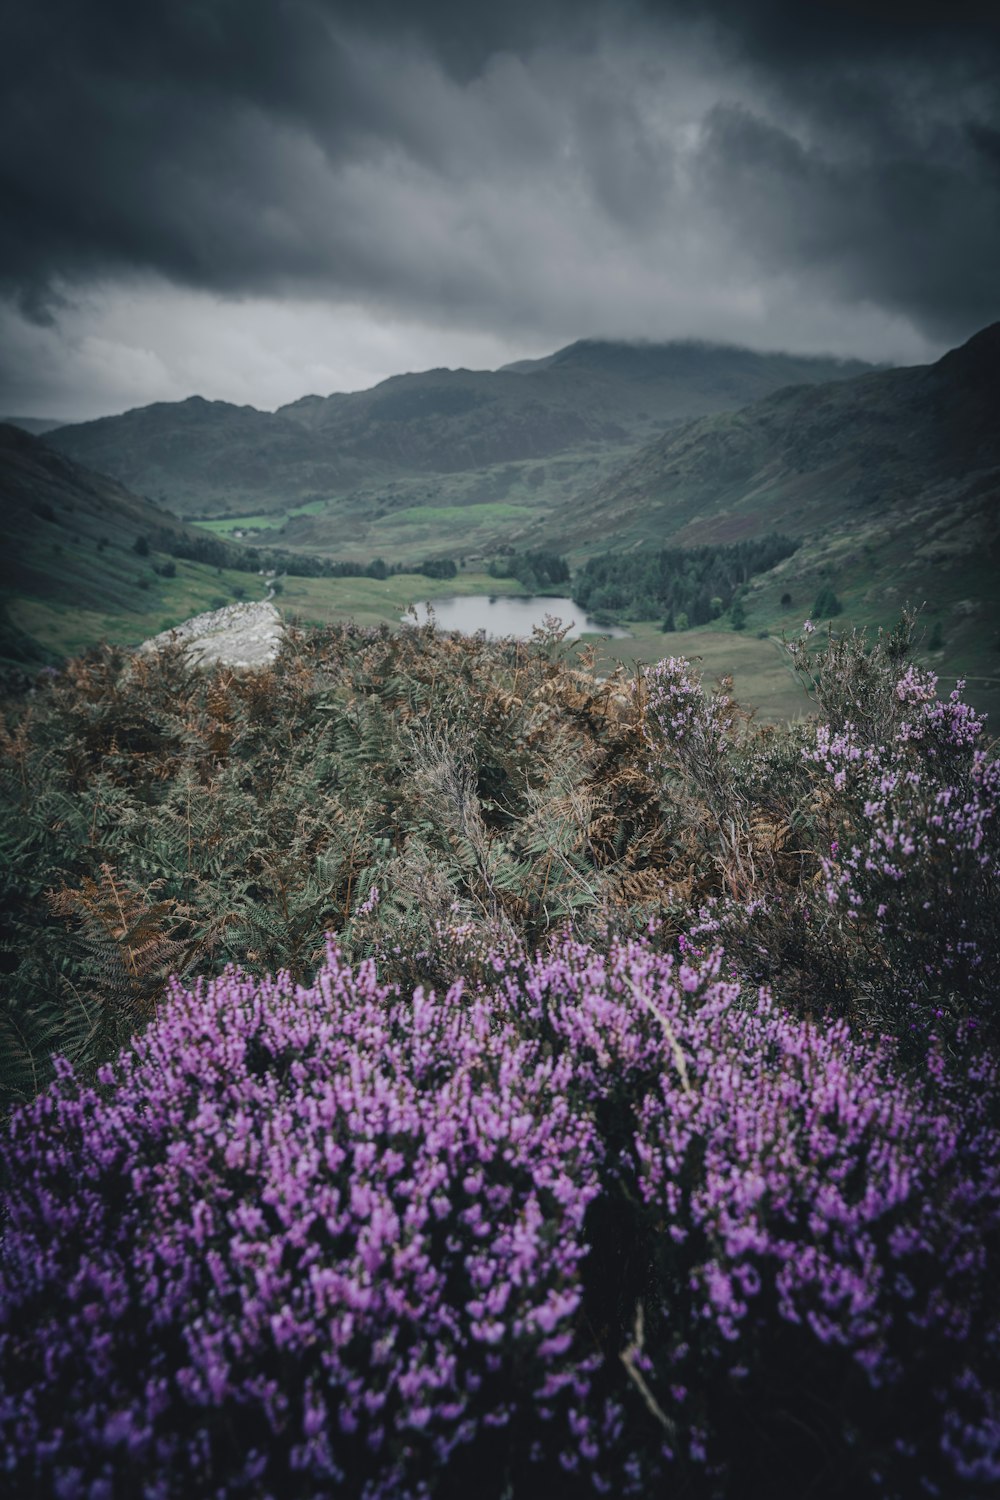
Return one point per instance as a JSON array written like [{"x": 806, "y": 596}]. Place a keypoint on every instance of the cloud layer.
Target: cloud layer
[{"x": 507, "y": 176}]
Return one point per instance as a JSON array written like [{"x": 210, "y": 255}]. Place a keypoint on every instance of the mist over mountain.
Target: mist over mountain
[{"x": 811, "y": 456}]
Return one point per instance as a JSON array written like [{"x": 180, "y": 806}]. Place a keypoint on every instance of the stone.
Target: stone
[{"x": 240, "y": 635}]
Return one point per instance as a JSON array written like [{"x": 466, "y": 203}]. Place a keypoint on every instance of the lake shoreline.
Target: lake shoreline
[{"x": 510, "y": 615}]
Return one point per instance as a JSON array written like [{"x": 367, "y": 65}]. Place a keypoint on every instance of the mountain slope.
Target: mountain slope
[
  {"x": 812, "y": 456},
  {"x": 82, "y": 557},
  {"x": 891, "y": 481},
  {"x": 35, "y": 425},
  {"x": 593, "y": 398},
  {"x": 198, "y": 456}
]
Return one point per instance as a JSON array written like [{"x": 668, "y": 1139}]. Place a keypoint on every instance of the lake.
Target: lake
[{"x": 510, "y": 614}]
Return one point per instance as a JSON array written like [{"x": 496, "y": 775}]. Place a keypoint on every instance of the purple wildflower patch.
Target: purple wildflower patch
[{"x": 605, "y": 1227}]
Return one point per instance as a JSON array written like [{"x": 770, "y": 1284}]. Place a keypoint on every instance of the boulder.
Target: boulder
[{"x": 241, "y": 635}]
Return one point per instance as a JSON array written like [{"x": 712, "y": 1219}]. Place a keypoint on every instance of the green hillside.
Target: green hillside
[
  {"x": 83, "y": 559},
  {"x": 809, "y": 455},
  {"x": 886, "y": 481}
]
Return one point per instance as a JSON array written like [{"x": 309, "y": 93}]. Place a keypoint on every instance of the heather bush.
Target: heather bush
[
  {"x": 796, "y": 1277},
  {"x": 300, "y": 1242},
  {"x": 914, "y": 862},
  {"x": 606, "y": 1224},
  {"x": 856, "y": 858}
]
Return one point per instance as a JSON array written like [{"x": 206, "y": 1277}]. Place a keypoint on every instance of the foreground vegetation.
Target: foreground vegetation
[{"x": 622, "y": 1117}]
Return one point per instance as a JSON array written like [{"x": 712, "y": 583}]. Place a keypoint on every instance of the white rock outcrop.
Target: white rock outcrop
[{"x": 241, "y": 635}]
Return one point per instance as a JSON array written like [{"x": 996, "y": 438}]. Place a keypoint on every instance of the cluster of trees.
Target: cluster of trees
[
  {"x": 827, "y": 606},
  {"x": 535, "y": 570},
  {"x": 221, "y": 554},
  {"x": 432, "y": 567},
  {"x": 685, "y": 585}
]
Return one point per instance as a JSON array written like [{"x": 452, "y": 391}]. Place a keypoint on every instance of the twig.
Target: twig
[{"x": 664, "y": 1021}]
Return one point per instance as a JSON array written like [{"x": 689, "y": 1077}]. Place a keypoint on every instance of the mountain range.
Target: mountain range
[
  {"x": 803, "y": 457},
  {"x": 890, "y": 482},
  {"x": 442, "y": 436}
]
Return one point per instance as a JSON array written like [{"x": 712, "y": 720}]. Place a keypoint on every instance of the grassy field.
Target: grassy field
[
  {"x": 467, "y": 518},
  {"x": 271, "y": 521},
  {"x": 68, "y": 617},
  {"x": 465, "y": 513},
  {"x": 762, "y": 677}
]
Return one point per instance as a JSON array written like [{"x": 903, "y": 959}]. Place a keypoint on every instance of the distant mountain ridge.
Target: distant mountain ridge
[
  {"x": 34, "y": 425},
  {"x": 890, "y": 481},
  {"x": 805, "y": 454},
  {"x": 593, "y": 397}
]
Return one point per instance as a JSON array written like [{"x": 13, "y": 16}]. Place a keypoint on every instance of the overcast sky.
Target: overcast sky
[{"x": 255, "y": 199}]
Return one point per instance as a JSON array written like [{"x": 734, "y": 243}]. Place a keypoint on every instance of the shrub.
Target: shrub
[
  {"x": 827, "y": 605},
  {"x": 606, "y": 1227},
  {"x": 914, "y": 860},
  {"x": 320, "y": 1241},
  {"x": 159, "y": 819},
  {"x": 853, "y": 863},
  {"x": 805, "y": 1236}
]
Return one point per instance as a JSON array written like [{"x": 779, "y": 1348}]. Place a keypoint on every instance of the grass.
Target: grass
[
  {"x": 467, "y": 516},
  {"x": 762, "y": 676},
  {"x": 64, "y": 628},
  {"x": 373, "y": 601},
  {"x": 406, "y": 518},
  {"x": 269, "y": 521}
]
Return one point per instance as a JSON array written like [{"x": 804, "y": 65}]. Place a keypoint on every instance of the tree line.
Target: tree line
[{"x": 684, "y": 585}]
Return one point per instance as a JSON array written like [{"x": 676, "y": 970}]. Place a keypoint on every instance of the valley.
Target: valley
[{"x": 885, "y": 481}]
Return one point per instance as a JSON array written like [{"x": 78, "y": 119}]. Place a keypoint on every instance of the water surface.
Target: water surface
[{"x": 511, "y": 614}]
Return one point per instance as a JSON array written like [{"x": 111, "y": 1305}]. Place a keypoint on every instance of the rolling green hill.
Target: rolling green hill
[
  {"x": 84, "y": 560},
  {"x": 889, "y": 480},
  {"x": 202, "y": 457}
]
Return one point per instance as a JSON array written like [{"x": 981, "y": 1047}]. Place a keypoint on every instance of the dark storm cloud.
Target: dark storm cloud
[
  {"x": 406, "y": 153},
  {"x": 780, "y": 32},
  {"x": 918, "y": 231}
]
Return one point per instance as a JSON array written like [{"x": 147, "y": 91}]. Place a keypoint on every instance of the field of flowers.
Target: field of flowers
[{"x": 634, "y": 1134}]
